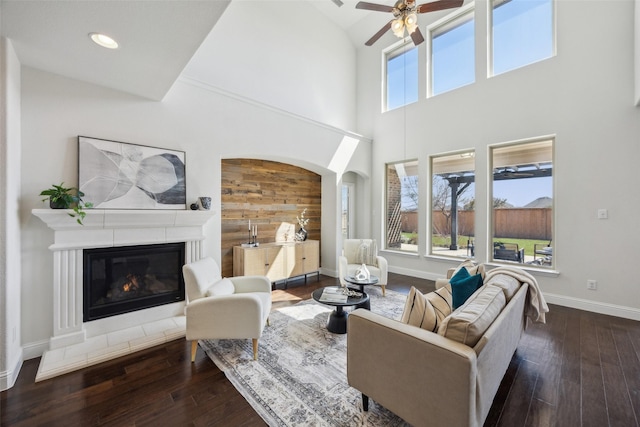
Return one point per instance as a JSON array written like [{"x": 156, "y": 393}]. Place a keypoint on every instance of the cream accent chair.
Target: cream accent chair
[
  {"x": 350, "y": 261},
  {"x": 230, "y": 308}
]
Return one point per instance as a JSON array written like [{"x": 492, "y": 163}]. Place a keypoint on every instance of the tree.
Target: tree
[
  {"x": 441, "y": 201},
  {"x": 498, "y": 203},
  {"x": 410, "y": 193}
]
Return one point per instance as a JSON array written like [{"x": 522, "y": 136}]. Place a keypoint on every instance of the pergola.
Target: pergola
[{"x": 531, "y": 160}]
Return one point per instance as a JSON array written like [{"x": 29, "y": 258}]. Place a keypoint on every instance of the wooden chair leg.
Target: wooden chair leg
[
  {"x": 194, "y": 349},
  {"x": 268, "y": 322},
  {"x": 384, "y": 290},
  {"x": 365, "y": 402},
  {"x": 255, "y": 348}
]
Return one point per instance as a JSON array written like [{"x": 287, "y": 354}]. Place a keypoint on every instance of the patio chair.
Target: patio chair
[{"x": 508, "y": 252}]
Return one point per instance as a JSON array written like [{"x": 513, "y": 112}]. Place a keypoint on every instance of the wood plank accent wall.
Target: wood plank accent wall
[{"x": 269, "y": 194}]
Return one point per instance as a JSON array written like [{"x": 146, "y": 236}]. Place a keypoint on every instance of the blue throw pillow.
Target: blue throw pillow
[{"x": 463, "y": 285}]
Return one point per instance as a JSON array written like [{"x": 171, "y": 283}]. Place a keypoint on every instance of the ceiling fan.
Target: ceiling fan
[{"x": 405, "y": 16}]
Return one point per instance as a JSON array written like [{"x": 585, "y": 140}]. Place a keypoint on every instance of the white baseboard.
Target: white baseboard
[
  {"x": 565, "y": 301},
  {"x": 9, "y": 377},
  {"x": 34, "y": 349},
  {"x": 416, "y": 273},
  {"x": 594, "y": 306},
  {"x": 327, "y": 272}
]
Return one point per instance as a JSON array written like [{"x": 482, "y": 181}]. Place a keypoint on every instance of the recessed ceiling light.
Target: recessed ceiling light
[{"x": 104, "y": 40}]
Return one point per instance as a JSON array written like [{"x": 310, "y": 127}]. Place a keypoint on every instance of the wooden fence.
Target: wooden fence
[{"x": 518, "y": 223}]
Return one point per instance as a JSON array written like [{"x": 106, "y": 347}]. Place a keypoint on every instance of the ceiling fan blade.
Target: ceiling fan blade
[
  {"x": 379, "y": 34},
  {"x": 417, "y": 37},
  {"x": 438, "y": 5},
  {"x": 374, "y": 6}
]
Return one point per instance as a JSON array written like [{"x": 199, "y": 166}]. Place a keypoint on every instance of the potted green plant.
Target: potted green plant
[{"x": 66, "y": 198}]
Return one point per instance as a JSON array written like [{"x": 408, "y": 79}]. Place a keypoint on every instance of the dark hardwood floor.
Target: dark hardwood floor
[{"x": 578, "y": 369}]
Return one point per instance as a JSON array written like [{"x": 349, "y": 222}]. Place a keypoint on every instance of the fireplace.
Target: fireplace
[{"x": 122, "y": 279}]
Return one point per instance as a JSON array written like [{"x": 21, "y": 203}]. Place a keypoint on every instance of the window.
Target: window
[
  {"x": 522, "y": 206},
  {"x": 402, "y": 206},
  {"x": 401, "y": 70},
  {"x": 348, "y": 204},
  {"x": 453, "y": 204},
  {"x": 522, "y": 32},
  {"x": 452, "y": 52}
]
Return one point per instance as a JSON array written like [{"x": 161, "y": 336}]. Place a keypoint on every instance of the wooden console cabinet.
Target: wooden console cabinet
[{"x": 278, "y": 261}]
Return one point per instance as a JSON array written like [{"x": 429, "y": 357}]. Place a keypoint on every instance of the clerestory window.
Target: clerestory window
[
  {"x": 401, "y": 71},
  {"x": 451, "y": 52},
  {"x": 522, "y": 32}
]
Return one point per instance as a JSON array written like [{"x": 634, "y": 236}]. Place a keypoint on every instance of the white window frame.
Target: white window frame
[
  {"x": 490, "y": 208},
  {"x": 465, "y": 154},
  {"x": 350, "y": 208},
  {"x": 443, "y": 25},
  {"x": 386, "y": 205},
  {"x": 554, "y": 38},
  {"x": 392, "y": 51}
]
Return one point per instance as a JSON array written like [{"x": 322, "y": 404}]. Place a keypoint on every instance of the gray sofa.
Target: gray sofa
[{"x": 427, "y": 378}]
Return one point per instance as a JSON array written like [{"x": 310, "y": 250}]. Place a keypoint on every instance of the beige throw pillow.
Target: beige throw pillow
[
  {"x": 368, "y": 253},
  {"x": 441, "y": 300},
  {"x": 471, "y": 267},
  {"x": 419, "y": 312},
  {"x": 470, "y": 321}
]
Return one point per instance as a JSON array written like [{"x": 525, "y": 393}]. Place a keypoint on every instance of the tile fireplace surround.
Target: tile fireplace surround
[{"x": 75, "y": 344}]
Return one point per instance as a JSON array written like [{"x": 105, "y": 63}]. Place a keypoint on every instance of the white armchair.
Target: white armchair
[
  {"x": 356, "y": 252},
  {"x": 229, "y": 308}
]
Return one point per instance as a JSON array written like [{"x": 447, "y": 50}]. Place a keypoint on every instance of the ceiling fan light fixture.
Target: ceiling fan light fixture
[
  {"x": 103, "y": 40},
  {"x": 411, "y": 22},
  {"x": 398, "y": 27}
]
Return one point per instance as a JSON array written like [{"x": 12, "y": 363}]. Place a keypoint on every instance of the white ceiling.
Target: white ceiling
[{"x": 157, "y": 37}]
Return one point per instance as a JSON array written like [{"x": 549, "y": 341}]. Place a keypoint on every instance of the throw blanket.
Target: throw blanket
[{"x": 537, "y": 306}]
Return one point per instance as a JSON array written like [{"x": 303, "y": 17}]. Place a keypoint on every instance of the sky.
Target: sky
[{"x": 518, "y": 192}]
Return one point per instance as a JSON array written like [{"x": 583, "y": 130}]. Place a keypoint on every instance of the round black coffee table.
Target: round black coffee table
[
  {"x": 337, "y": 322},
  {"x": 372, "y": 280}
]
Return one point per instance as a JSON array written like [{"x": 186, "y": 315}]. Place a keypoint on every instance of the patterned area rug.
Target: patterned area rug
[{"x": 300, "y": 377}]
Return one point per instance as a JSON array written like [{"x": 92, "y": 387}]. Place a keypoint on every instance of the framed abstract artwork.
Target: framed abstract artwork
[{"x": 119, "y": 175}]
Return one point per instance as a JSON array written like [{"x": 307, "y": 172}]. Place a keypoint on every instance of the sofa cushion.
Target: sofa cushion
[
  {"x": 463, "y": 285},
  {"x": 467, "y": 324},
  {"x": 221, "y": 287},
  {"x": 419, "y": 312},
  {"x": 507, "y": 283}
]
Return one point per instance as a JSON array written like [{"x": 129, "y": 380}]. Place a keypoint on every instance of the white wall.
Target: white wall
[
  {"x": 637, "y": 50},
  {"x": 10, "y": 345},
  {"x": 584, "y": 96},
  {"x": 207, "y": 124},
  {"x": 260, "y": 50},
  {"x": 259, "y": 96}
]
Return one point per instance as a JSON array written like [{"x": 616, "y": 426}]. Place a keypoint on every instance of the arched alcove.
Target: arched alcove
[{"x": 271, "y": 195}]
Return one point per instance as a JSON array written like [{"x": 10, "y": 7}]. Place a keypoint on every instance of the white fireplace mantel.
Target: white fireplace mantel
[
  {"x": 108, "y": 228},
  {"x": 105, "y": 228}
]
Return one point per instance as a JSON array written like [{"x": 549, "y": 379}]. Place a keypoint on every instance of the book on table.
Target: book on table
[{"x": 333, "y": 295}]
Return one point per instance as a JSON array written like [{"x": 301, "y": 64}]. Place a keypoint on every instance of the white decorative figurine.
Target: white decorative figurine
[{"x": 363, "y": 273}]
